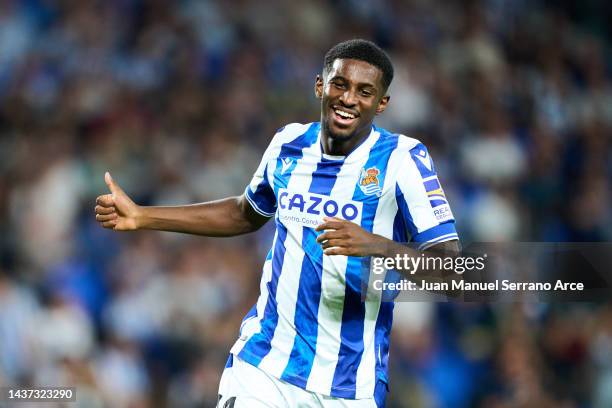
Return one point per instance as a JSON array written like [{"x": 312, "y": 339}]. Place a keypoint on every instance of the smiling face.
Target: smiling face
[{"x": 351, "y": 95}]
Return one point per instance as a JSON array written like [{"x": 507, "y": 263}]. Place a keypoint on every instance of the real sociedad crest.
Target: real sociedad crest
[{"x": 368, "y": 182}]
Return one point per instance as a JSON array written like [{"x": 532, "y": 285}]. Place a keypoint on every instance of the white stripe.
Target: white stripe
[
  {"x": 333, "y": 283},
  {"x": 289, "y": 280},
  {"x": 437, "y": 197},
  {"x": 383, "y": 225},
  {"x": 410, "y": 183},
  {"x": 253, "y": 326},
  {"x": 443, "y": 238},
  {"x": 269, "y": 158},
  {"x": 271, "y": 168},
  {"x": 430, "y": 178}
]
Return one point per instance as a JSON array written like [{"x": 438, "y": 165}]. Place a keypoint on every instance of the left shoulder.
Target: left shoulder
[
  {"x": 412, "y": 152},
  {"x": 403, "y": 144}
]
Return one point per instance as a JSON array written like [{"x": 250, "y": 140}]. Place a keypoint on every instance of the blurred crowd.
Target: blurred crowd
[{"x": 178, "y": 99}]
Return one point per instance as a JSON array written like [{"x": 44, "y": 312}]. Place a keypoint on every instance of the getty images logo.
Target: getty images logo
[{"x": 310, "y": 208}]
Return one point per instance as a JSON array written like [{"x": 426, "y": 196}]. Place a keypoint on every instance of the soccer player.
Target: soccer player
[{"x": 339, "y": 190}]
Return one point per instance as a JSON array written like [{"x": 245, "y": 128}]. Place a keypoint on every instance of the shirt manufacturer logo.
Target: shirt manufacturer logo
[
  {"x": 424, "y": 159},
  {"x": 286, "y": 162}
]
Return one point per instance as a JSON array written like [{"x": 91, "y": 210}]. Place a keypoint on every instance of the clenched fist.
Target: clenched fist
[{"x": 116, "y": 210}]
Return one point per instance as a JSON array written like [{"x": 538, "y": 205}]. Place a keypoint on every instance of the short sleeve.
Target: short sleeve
[
  {"x": 422, "y": 204},
  {"x": 259, "y": 192}
]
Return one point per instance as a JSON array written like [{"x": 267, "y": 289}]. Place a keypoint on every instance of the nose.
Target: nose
[{"x": 348, "y": 98}]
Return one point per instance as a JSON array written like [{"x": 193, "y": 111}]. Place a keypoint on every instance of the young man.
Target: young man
[{"x": 339, "y": 190}]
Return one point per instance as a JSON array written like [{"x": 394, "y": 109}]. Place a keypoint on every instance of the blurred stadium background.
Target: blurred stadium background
[{"x": 178, "y": 99}]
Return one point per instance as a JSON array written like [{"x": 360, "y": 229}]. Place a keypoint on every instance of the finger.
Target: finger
[
  {"x": 104, "y": 218},
  {"x": 105, "y": 200},
  {"x": 112, "y": 186},
  {"x": 105, "y": 210},
  {"x": 336, "y": 251},
  {"x": 333, "y": 243},
  {"x": 109, "y": 224},
  {"x": 329, "y": 235},
  {"x": 334, "y": 219},
  {"x": 329, "y": 225}
]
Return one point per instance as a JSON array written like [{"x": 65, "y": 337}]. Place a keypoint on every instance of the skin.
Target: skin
[
  {"x": 352, "y": 86},
  {"x": 222, "y": 218},
  {"x": 341, "y": 237},
  {"x": 355, "y": 87}
]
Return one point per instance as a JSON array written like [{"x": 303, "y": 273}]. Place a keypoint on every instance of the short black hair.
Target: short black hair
[{"x": 362, "y": 50}]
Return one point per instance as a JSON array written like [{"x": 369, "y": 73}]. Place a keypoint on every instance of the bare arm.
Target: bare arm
[{"x": 221, "y": 218}]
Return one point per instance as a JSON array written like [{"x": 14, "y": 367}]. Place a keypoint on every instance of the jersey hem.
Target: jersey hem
[
  {"x": 445, "y": 238},
  {"x": 335, "y": 392},
  {"x": 255, "y": 206}
]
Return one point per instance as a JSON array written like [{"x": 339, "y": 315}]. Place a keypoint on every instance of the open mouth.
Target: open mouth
[{"x": 343, "y": 116}]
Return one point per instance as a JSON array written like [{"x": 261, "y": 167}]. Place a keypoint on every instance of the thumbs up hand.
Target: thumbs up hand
[{"x": 116, "y": 210}]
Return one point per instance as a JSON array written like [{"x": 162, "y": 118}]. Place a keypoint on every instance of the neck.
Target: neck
[{"x": 341, "y": 146}]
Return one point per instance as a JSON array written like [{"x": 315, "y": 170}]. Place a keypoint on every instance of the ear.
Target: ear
[
  {"x": 382, "y": 104},
  {"x": 319, "y": 87}
]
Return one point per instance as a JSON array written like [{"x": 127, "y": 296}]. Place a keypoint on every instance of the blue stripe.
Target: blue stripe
[
  {"x": 384, "y": 322},
  {"x": 252, "y": 199},
  {"x": 416, "y": 157},
  {"x": 295, "y": 151},
  {"x": 230, "y": 361},
  {"x": 263, "y": 196},
  {"x": 251, "y": 313},
  {"x": 431, "y": 185},
  {"x": 399, "y": 228},
  {"x": 309, "y": 292},
  {"x": 259, "y": 345},
  {"x": 402, "y": 205},
  {"x": 434, "y": 203},
  {"x": 353, "y": 314},
  {"x": 399, "y": 235},
  {"x": 380, "y": 394},
  {"x": 435, "y": 232}
]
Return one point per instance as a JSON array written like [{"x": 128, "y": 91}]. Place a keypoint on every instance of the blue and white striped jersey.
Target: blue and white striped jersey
[{"x": 310, "y": 326}]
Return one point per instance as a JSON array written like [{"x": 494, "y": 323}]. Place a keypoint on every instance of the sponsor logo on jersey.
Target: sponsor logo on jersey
[
  {"x": 434, "y": 191},
  {"x": 437, "y": 199},
  {"x": 309, "y": 208},
  {"x": 443, "y": 213},
  {"x": 369, "y": 183}
]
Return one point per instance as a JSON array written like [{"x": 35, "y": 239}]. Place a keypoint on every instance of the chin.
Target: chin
[{"x": 339, "y": 134}]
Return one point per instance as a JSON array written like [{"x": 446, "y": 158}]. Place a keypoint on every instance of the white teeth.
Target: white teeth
[{"x": 344, "y": 114}]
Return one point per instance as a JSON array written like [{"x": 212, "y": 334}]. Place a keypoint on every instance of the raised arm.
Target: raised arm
[{"x": 222, "y": 218}]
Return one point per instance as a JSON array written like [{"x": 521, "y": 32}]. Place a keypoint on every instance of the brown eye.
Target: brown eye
[{"x": 338, "y": 85}]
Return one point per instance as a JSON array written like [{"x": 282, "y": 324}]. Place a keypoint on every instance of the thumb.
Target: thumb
[{"x": 113, "y": 187}]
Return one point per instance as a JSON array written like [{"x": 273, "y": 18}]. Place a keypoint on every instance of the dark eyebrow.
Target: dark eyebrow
[{"x": 360, "y": 84}]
